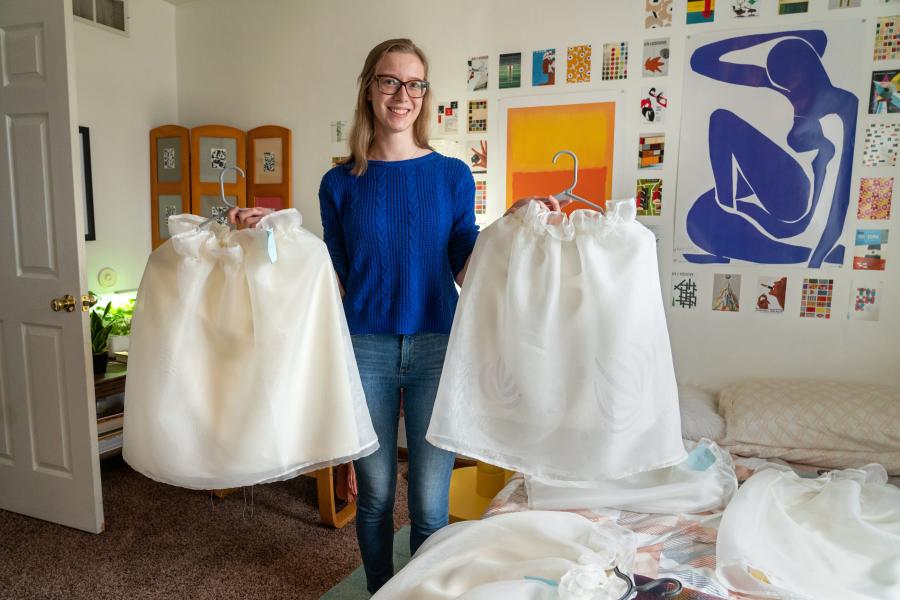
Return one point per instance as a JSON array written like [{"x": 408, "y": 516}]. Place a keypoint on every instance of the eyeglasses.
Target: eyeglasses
[{"x": 415, "y": 88}]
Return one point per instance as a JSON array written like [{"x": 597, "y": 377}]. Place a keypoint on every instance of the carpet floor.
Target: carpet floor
[{"x": 167, "y": 542}]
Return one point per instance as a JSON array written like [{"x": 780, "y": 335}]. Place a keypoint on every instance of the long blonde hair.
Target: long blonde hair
[{"x": 362, "y": 132}]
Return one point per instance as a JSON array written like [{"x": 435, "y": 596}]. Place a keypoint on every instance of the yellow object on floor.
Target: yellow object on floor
[{"x": 473, "y": 488}]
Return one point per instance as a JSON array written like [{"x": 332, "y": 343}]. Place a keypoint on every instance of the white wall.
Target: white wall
[
  {"x": 126, "y": 86},
  {"x": 295, "y": 64}
]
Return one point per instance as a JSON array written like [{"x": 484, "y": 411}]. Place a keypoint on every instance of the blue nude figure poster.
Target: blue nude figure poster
[{"x": 766, "y": 152}]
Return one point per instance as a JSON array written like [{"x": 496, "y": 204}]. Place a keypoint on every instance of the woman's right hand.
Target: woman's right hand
[{"x": 247, "y": 217}]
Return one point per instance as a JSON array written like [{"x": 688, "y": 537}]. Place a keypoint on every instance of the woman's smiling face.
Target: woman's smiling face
[{"x": 396, "y": 113}]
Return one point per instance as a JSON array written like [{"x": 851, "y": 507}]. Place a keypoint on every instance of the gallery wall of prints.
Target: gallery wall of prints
[{"x": 753, "y": 286}]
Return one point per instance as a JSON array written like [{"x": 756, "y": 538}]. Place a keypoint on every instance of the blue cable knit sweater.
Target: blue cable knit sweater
[{"x": 398, "y": 235}]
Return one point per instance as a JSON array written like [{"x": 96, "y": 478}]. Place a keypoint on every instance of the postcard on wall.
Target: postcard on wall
[
  {"x": 543, "y": 67},
  {"x": 448, "y": 117},
  {"x": 726, "y": 292},
  {"x": 651, "y": 150},
  {"x": 656, "y": 58},
  {"x": 815, "y": 298},
  {"x": 615, "y": 61},
  {"x": 865, "y": 300},
  {"x": 880, "y": 146},
  {"x": 578, "y": 64},
  {"x": 339, "y": 131},
  {"x": 510, "y": 75},
  {"x": 792, "y": 7},
  {"x": 477, "y": 78},
  {"x": 870, "y": 249},
  {"x": 657, "y": 13},
  {"x": 684, "y": 291},
  {"x": 887, "y": 35},
  {"x": 654, "y": 103},
  {"x": 648, "y": 197},
  {"x": 833, "y": 4},
  {"x": 884, "y": 95},
  {"x": 741, "y": 9},
  {"x": 477, "y": 116},
  {"x": 770, "y": 294},
  {"x": 701, "y": 11},
  {"x": 875, "y": 198},
  {"x": 477, "y": 155},
  {"x": 480, "y": 197}
]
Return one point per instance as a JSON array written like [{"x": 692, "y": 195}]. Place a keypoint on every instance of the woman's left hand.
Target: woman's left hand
[{"x": 553, "y": 203}]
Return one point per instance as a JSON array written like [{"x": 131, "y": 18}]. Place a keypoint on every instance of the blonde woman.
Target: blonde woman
[{"x": 399, "y": 223}]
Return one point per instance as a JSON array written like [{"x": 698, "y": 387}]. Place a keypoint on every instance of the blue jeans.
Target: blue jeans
[{"x": 387, "y": 364}]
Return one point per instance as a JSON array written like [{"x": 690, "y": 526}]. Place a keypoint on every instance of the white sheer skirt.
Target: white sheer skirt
[
  {"x": 559, "y": 363},
  {"x": 241, "y": 369}
]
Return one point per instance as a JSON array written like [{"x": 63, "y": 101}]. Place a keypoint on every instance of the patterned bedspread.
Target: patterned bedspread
[{"x": 680, "y": 546}]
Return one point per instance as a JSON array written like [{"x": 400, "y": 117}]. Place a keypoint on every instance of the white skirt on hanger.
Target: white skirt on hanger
[
  {"x": 837, "y": 536},
  {"x": 240, "y": 369},
  {"x": 530, "y": 555},
  {"x": 559, "y": 363},
  {"x": 703, "y": 481}
]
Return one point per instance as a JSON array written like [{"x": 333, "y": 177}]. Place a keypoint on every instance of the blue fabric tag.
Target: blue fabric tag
[
  {"x": 700, "y": 458},
  {"x": 270, "y": 246}
]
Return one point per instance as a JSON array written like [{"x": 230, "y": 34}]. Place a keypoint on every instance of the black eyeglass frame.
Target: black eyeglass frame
[{"x": 405, "y": 84}]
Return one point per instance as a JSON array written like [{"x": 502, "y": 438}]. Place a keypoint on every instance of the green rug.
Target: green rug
[{"x": 353, "y": 586}]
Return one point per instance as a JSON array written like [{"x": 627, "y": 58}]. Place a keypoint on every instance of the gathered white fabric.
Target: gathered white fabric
[
  {"x": 703, "y": 481},
  {"x": 837, "y": 536},
  {"x": 559, "y": 363},
  {"x": 241, "y": 369},
  {"x": 532, "y": 555}
]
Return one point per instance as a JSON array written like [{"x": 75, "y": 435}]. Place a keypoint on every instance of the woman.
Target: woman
[{"x": 399, "y": 223}]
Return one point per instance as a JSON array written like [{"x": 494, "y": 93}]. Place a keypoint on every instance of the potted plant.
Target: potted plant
[
  {"x": 100, "y": 328},
  {"x": 120, "y": 318}
]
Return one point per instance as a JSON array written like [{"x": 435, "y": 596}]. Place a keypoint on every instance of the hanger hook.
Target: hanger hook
[
  {"x": 241, "y": 171},
  {"x": 571, "y": 188}
]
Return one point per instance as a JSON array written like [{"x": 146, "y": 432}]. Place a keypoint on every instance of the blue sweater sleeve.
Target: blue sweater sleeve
[
  {"x": 333, "y": 231},
  {"x": 464, "y": 231}
]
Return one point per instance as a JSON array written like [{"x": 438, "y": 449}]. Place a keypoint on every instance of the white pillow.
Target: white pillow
[
  {"x": 831, "y": 424},
  {"x": 699, "y": 416}
]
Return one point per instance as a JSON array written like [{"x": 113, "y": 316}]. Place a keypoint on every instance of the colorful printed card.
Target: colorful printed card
[
  {"x": 656, "y": 58},
  {"x": 875, "y": 195},
  {"x": 884, "y": 95},
  {"x": 869, "y": 250},
  {"x": 815, "y": 298},
  {"x": 880, "y": 146},
  {"x": 648, "y": 197},
  {"x": 887, "y": 38},
  {"x": 745, "y": 8},
  {"x": 651, "y": 151},
  {"x": 792, "y": 7},
  {"x": 654, "y": 103},
  {"x": 657, "y": 13},
  {"x": 480, "y": 196},
  {"x": 726, "y": 292},
  {"x": 477, "y": 78},
  {"x": 701, "y": 11},
  {"x": 448, "y": 117},
  {"x": 477, "y": 116},
  {"x": 615, "y": 61},
  {"x": 865, "y": 300},
  {"x": 684, "y": 291},
  {"x": 833, "y": 4},
  {"x": 543, "y": 67},
  {"x": 578, "y": 64},
  {"x": 510, "y": 75},
  {"x": 477, "y": 155},
  {"x": 770, "y": 294}
]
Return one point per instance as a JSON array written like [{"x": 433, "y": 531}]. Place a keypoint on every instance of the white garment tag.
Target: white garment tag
[{"x": 270, "y": 246}]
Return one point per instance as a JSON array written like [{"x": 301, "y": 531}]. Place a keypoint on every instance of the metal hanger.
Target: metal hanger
[
  {"x": 222, "y": 194},
  {"x": 568, "y": 192}
]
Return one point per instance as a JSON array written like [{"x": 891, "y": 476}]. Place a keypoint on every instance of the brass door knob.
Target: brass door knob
[
  {"x": 87, "y": 301},
  {"x": 66, "y": 303}
]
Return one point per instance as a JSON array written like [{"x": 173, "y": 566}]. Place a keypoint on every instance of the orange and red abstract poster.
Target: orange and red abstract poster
[{"x": 535, "y": 133}]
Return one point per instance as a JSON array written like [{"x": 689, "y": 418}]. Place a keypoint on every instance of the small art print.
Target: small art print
[
  {"x": 815, "y": 298},
  {"x": 218, "y": 158},
  {"x": 657, "y": 13},
  {"x": 865, "y": 301},
  {"x": 771, "y": 292},
  {"x": 727, "y": 292},
  {"x": 168, "y": 159},
  {"x": 684, "y": 291}
]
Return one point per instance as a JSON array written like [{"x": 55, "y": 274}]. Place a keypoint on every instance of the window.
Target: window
[{"x": 108, "y": 13}]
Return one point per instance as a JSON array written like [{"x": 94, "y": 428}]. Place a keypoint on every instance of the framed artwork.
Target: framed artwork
[
  {"x": 269, "y": 167},
  {"x": 533, "y": 129},
  {"x": 213, "y": 149},
  {"x": 87, "y": 186},
  {"x": 170, "y": 182}
]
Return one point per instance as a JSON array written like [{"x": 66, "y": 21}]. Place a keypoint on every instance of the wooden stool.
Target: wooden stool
[
  {"x": 473, "y": 488},
  {"x": 325, "y": 491}
]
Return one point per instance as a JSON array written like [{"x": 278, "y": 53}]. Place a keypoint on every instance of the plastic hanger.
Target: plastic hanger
[
  {"x": 569, "y": 191},
  {"x": 222, "y": 194}
]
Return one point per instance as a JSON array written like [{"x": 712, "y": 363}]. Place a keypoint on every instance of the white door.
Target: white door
[{"x": 49, "y": 467}]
